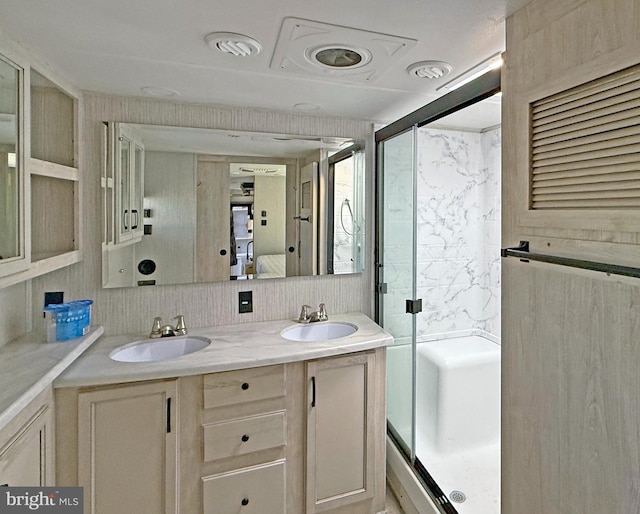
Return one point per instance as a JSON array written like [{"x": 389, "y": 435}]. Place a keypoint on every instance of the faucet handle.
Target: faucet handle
[
  {"x": 322, "y": 313},
  {"x": 156, "y": 329},
  {"x": 181, "y": 328},
  {"x": 304, "y": 317}
]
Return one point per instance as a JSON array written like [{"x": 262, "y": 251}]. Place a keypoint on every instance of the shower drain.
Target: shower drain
[{"x": 457, "y": 496}]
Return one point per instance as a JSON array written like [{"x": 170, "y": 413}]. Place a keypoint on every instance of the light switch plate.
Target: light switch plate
[{"x": 245, "y": 301}]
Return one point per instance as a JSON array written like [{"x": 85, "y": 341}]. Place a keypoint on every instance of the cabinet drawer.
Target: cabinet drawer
[
  {"x": 254, "y": 490},
  {"x": 244, "y": 435},
  {"x": 245, "y": 385}
]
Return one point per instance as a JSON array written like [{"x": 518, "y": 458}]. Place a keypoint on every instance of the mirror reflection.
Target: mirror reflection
[
  {"x": 9, "y": 163},
  {"x": 184, "y": 205}
]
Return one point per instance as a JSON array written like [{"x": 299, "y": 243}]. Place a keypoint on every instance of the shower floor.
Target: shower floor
[{"x": 476, "y": 473}]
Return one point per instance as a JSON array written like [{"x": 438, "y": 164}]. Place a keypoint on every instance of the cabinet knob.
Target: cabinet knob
[
  {"x": 245, "y": 438},
  {"x": 245, "y": 501},
  {"x": 245, "y": 386}
]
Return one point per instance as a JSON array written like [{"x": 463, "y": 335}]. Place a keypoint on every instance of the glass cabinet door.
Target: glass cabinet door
[
  {"x": 129, "y": 182},
  {"x": 123, "y": 174},
  {"x": 12, "y": 241},
  {"x": 137, "y": 191}
]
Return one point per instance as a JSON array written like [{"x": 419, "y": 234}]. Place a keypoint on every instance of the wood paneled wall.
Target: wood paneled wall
[
  {"x": 570, "y": 338},
  {"x": 131, "y": 310}
]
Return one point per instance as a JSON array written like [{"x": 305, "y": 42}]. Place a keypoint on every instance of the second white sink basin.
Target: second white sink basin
[
  {"x": 319, "y": 331},
  {"x": 151, "y": 350}
]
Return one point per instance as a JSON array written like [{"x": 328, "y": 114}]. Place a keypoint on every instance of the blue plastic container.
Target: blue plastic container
[{"x": 66, "y": 321}]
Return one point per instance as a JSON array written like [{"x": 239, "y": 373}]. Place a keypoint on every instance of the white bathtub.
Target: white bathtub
[{"x": 458, "y": 393}]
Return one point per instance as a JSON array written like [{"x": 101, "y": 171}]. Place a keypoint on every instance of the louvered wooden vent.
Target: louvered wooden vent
[{"x": 585, "y": 151}]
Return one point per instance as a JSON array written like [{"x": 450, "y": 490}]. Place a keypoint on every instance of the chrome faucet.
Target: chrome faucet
[
  {"x": 160, "y": 330},
  {"x": 313, "y": 317},
  {"x": 304, "y": 317},
  {"x": 320, "y": 314},
  {"x": 181, "y": 328}
]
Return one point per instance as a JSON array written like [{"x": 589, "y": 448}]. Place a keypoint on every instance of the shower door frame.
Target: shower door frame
[{"x": 481, "y": 88}]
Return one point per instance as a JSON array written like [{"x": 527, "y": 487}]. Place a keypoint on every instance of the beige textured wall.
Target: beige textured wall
[
  {"x": 13, "y": 319},
  {"x": 131, "y": 310}
]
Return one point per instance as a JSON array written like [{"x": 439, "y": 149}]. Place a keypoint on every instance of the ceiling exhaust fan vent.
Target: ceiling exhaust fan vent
[
  {"x": 429, "y": 69},
  {"x": 339, "y": 56},
  {"x": 237, "y": 45},
  {"x": 335, "y": 52}
]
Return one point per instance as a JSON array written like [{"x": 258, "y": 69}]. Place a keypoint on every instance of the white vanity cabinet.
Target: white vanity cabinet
[
  {"x": 126, "y": 447},
  {"x": 344, "y": 421},
  {"x": 26, "y": 445},
  {"x": 293, "y": 438}
]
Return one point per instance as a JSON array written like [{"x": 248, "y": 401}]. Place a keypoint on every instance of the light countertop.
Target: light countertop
[
  {"x": 232, "y": 347},
  {"x": 29, "y": 365}
]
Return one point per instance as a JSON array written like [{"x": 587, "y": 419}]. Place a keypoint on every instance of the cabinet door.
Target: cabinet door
[
  {"x": 213, "y": 230},
  {"x": 127, "y": 451},
  {"x": 129, "y": 177},
  {"x": 13, "y": 252},
  {"x": 137, "y": 190},
  {"x": 122, "y": 160},
  {"x": 24, "y": 459},
  {"x": 340, "y": 427}
]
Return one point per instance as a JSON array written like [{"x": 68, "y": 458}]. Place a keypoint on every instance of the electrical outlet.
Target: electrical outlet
[
  {"x": 53, "y": 297},
  {"x": 245, "y": 301}
]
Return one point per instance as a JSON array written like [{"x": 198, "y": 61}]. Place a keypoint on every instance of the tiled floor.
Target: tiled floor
[{"x": 393, "y": 507}]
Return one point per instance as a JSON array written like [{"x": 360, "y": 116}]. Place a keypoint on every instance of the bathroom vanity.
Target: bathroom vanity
[{"x": 252, "y": 423}]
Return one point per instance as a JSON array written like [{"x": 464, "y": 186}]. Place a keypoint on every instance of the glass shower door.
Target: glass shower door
[{"x": 396, "y": 279}]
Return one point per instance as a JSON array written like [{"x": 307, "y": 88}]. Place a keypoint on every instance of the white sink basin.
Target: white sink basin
[
  {"x": 319, "y": 331},
  {"x": 151, "y": 350}
]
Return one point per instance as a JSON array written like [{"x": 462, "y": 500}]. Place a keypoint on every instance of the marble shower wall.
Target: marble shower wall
[{"x": 458, "y": 226}]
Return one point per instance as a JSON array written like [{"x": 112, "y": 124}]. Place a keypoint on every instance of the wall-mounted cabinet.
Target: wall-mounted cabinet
[
  {"x": 122, "y": 185},
  {"x": 13, "y": 249},
  {"x": 128, "y": 161},
  {"x": 40, "y": 182}
]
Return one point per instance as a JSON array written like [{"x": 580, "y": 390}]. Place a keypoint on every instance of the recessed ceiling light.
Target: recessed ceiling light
[
  {"x": 429, "y": 69},
  {"x": 159, "y": 91},
  {"x": 306, "y": 107},
  {"x": 238, "y": 45}
]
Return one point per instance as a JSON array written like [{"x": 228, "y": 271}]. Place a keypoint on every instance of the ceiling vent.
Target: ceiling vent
[
  {"x": 234, "y": 44},
  {"x": 311, "y": 48},
  {"x": 429, "y": 69}
]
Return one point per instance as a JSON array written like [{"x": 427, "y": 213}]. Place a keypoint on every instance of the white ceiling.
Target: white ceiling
[{"x": 122, "y": 46}]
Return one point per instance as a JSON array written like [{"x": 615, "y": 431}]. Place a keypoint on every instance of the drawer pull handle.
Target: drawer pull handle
[
  {"x": 245, "y": 501},
  {"x": 245, "y": 386},
  {"x": 245, "y": 438}
]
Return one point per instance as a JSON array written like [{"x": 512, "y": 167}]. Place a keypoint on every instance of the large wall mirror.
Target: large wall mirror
[
  {"x": 184, "y": 205},
  {"x": 10, "y": 241}
]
